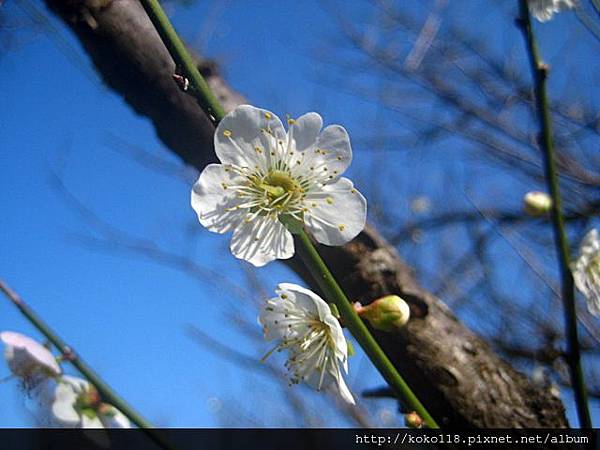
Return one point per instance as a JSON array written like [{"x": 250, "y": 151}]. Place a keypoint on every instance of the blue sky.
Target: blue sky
[{"x": 126, "y": 314}]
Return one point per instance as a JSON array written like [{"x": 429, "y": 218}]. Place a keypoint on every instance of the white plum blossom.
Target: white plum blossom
[
  {"x": 543, "y": 10},
  {"x": 586, "y": 271},
  {"x": 304, "y": 325},
  {"x": 267, "y": 174},
  {"x": 28, "y": 359},
  {"x": 56, "y": 400},
  {"x": 73, "y": 402}
]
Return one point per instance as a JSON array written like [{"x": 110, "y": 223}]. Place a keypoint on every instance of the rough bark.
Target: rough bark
[{"x": 455, "y": 373}]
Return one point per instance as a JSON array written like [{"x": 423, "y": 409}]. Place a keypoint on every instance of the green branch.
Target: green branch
[
  {"x": 539, "y": 72},
  {"x": 209, "y": 103},
  {"x": 333, "y": 292},
  {"x": 68, "y": 354},
  {"x": 311, "y": 258}
]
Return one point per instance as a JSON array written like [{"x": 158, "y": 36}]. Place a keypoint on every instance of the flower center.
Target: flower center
[
  {"x": 88, "y": 399},
  {"x": 280, "y": 188},
  {"x": 278, "y": 183}
]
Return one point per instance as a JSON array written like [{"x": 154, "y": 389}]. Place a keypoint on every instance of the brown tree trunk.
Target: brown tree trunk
[{"x": 455, "y": 373}]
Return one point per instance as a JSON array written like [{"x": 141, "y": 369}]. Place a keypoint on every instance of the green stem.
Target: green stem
[
  {"x": 105, "y": 391},
  {"x": 312, "y": 259},
  {"x": 573, "y": 355},
  {"x": 352, "y": 321},
  {"x": 183, "y": 60}
]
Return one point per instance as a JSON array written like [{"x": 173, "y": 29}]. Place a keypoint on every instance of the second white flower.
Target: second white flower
[{"x": 303, "y": 324}]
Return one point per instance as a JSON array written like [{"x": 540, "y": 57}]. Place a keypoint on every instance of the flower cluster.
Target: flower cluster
[
  {"x": 304, "y": 325},
  {"x": 63, "y": 400},
  {"x": 543, "y": 10},
  {"x": 272, "y": 183},
  {"x": 586, "y": 270},
  {"x": 268, "y": 175}
]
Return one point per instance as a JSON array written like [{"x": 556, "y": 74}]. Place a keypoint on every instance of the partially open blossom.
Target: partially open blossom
[
  {"x": 303, "y": 324},
  {"x": 543, "y": 10},
  {"x": 73, "y": 402},
  {"x": 388, "y": 313},
  {"x": 28, "y": 359},
  {"x": 267, "y": 175},
  {"x": 586, "y": 271},
  {"x": 537, "y": 204}
]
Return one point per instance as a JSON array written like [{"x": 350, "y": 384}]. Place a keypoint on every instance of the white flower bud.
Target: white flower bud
[{"x": 537, "y": 204}]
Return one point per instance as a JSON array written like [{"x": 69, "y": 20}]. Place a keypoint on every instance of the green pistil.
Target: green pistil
[
  {"x": 278, "y": 183},
  {"x": 273, "y": 191},
  {"x": 281, "y": 179}
]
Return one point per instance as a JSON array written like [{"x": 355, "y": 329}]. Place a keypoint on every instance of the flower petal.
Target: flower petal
[
  {"x": 43, "y": 393},
  {"x": 275, "y": 322},
  {"x": 587, "y": 281},
  {"x": 328, "y": 379},
  {"x": 329, "y": 157},
  {"x": 543, "y": 10},
  {"x": 586, "y": 271},
  {"x": 288, "y": 315},
  {"x": 337, "y": 334},
  {"x": 312, "y": 303},
  {"x": 262, "y": 240},
  {"x": 63, "y": 406},
  {"x": 590, "y": 243},
  {"x": 79, "y": 385},
  {"x": 344, "y": 391},
  {"x": 91, "y": 422},
  {"x": 304, "y": 131},
  {"x": 211, "y": 198},
  {"x": 336, "y": 214},
  {"x": 305, "y": 299},
  {"x": 25, "y": 355},
  {"x": 247, "y": 136},
  {"x": 115, "y": 419},
  {"x": 589, "y": 286}
]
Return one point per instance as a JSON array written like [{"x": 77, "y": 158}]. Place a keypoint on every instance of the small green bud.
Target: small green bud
[
  {"x": 413, "y": 420},
  {"x": 388, "y": 313},
  {"x": 537, "y": 204}
]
